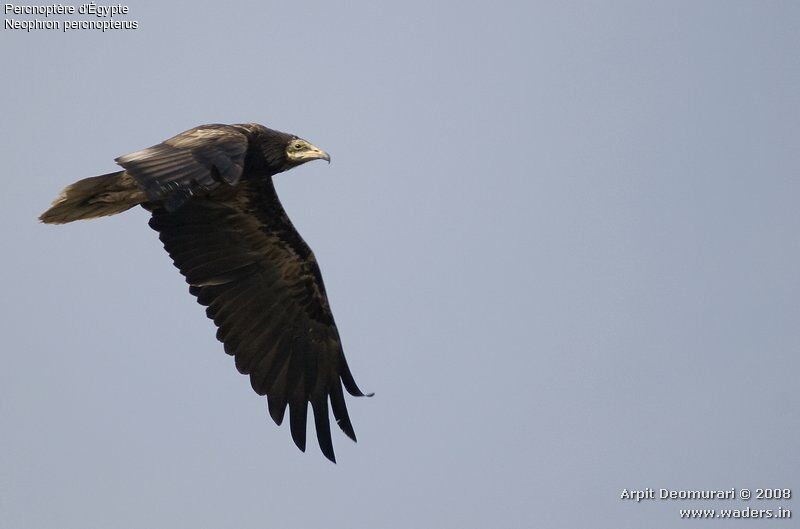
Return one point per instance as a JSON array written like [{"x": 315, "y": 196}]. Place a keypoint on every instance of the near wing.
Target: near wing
[
  {"x": 191, "y": 163},
  {"x": 263, "y": 289}
]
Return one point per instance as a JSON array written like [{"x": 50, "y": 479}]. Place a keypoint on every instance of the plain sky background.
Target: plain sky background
[{"x": 560, "y": 240}]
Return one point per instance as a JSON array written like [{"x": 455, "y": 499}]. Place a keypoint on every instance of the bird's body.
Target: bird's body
[{"x": 213, "y": 202}]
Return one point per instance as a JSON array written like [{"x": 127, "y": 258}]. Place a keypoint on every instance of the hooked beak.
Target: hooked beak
[{"x": 315, "y": 153}]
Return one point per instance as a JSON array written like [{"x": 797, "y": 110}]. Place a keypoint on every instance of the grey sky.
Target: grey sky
[{"x": 559, "y": 238}]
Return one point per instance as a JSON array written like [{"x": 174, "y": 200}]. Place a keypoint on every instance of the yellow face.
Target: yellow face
[{"x": 300, "y": 151}]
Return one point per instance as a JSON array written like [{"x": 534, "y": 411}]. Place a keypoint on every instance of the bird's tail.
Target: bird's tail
[{"x": 97, "y": 196}]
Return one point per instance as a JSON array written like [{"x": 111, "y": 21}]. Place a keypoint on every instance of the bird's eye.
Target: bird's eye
[{"x": 298, "y": 146}]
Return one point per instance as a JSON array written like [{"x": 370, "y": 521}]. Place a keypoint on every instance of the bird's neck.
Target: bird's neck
[{"x": 263, "y": 195}]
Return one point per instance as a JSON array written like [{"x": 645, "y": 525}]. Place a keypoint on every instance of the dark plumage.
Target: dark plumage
[{"x": 214, "y": 205}]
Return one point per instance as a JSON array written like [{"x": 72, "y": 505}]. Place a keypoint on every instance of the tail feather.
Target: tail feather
[{"x": 98, "y": 196}]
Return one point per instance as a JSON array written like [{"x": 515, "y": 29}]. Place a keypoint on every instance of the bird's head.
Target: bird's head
[
  {"x": 299, "y": 151},
  {"x": 280, "y": 151}
]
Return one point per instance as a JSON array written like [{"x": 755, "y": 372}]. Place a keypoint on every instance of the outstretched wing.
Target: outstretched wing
[
  {"x": 193, "y": 162},
  {"x": 262, "y": 287}
]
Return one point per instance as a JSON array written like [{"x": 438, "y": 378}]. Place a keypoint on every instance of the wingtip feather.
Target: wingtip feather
[
  {"x": 277, "y": 409},
  {"x": 323, "y": 426}
]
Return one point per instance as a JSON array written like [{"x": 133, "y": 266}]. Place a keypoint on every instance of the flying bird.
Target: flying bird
[{"x": 213, "y": 203}]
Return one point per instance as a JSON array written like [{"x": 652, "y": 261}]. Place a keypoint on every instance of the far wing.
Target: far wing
[{"x": 191, "y": 163}]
